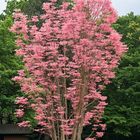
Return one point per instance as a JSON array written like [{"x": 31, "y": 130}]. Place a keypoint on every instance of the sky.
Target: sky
[
  {"x": 122, "y": 6},
  {"x": 2, "y": 5},
  {"x": 126, "y": 6}
]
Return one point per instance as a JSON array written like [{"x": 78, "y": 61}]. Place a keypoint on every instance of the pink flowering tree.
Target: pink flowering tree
[{"x": 69, "y": 53}]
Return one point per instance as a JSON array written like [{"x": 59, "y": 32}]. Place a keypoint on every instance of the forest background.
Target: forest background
[{"x": 122, "y": 114}]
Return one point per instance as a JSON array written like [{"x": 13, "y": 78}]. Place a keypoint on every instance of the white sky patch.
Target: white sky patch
[
  {"x": 2, "y": 5},
  {"x": 126, "y": 6}
]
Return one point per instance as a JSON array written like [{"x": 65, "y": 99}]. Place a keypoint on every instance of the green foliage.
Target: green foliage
[
  {"x": 29, "y": 7},
  {"x": 123, "y": 112},
  {"x": 9, "y": 64},
  {"x": 34, "y": 7},
  {"x": 14, "y": 4}
]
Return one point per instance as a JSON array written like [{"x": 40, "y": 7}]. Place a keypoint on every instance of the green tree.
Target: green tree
[
  {"x": 123, "y": 112},
  {"x": 14, "y": 4},
  {"x": 29, "y": 7},
  {"x": 9, "y": 64}
]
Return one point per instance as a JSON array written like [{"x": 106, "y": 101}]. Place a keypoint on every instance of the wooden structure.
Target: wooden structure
[{"x": 13, "y": 132}]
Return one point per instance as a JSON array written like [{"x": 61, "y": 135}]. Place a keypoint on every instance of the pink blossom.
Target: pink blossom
[
  {"x": 68, "y": 62},
  {"x": 19, "y": 113},
  {"x": 24, "y": 124},
  {"x": 99, "y": 134},
  {"x": 34, "y": 19},
  {"x": 22, "y": 100}
]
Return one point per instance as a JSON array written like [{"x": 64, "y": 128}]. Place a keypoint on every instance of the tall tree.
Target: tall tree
[
  {"x": 68, "y": 61},
  {"x": 123, "y": 111}
]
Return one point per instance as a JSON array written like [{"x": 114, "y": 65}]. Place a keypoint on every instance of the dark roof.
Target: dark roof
[{"x": 14, "y": 129}]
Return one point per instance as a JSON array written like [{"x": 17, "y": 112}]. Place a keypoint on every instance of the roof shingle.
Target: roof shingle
[{"x": 13, "y": 129}]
